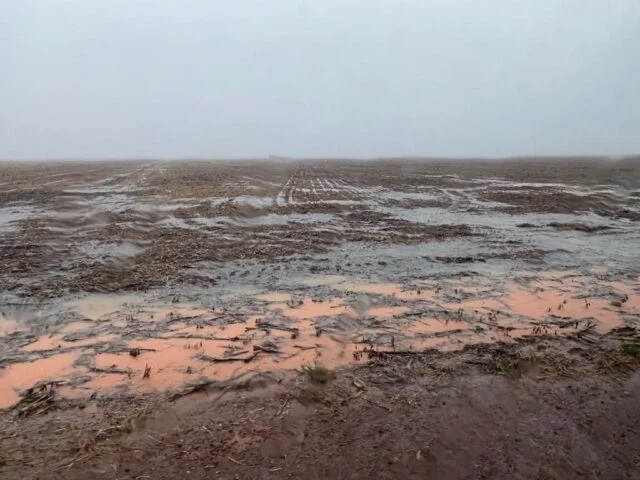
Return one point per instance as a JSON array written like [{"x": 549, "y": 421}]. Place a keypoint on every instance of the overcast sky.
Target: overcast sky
[{"x": 238, "y": 78}]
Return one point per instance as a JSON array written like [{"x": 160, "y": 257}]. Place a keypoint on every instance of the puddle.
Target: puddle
[
  {"x": 273, "y": 219},
  {"x": 284, "y": 219},
  {"x": 275, "y": 297},
  {"x": 482, "y": 215},
  {"x": 97, "y": 306},
  {"x": 173, "y": 312},
  {"x": 286, "y": 331},
  {"x": 420, "y": 334},
  {"x": 54, "y": 342},
  {"x": 76, "y": 207},
  {"x": 102, "y": 189},
  {"x": 243, "y": 200},
  {"x": 11, "y": 216},
  {"x": 549, "y": 303},
  {"x": 487, "y": 304},
  {"x": 75, "y": 327},
  {"x": 386, "y": 312},
  {"x": 101, "y": 306},
  {"x": 177, "y": 361},
  {"x": 204, "y": 331},
  {"x": 304, "y": 307},
  {"x": 14, "y": 318},
  {"x": 21, "y": 376},
  {"x": 389, "y": 290},
  {"x": 168, "y": 361},
  {"x": 431, "y": 326},
  {"x": 328, "y": 350},
  {"x": 311, "y": 308}
]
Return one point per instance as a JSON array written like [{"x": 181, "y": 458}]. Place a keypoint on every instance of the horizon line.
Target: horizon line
[{"x": 276, "y": 158}]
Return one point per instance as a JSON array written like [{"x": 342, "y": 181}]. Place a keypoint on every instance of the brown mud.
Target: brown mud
[
  {"x": 319, "y": 319},
  {"x": 548, "y": 407}
]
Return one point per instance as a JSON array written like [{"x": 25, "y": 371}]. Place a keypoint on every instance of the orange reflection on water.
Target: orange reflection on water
[
  {"x": 543, "y": 304},
  {"x": 171, "y": 312},
  {"x": 168, "y": 360},
  {"x": 389, "y": 290},
  {"x": 20, "y": 376},
  {"x": 313, "y": 309},
  {"x": 387, "y": 312},
  {"x": 310, "y": 346},
  {"x": 490, "y": 304},
  {"x": 272, "y": 341},
  {"x": 230, "y": 330},
  {"x": 175, "y": 361}
]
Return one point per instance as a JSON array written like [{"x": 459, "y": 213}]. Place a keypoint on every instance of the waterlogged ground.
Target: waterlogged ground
[
  {"x": 150, "y": 279},
  {"x": 103, "y": 342}
]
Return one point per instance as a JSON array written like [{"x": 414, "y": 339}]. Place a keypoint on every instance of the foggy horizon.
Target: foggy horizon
[
  {"x": 604, "y": 157},
  {"x": 168, "y": 80}
]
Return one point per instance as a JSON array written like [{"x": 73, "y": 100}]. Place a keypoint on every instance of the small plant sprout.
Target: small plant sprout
[
  {"x": 631, "y": 349},
  {"x": 317, "y": 373}
]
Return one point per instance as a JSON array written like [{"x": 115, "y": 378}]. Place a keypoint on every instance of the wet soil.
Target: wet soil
[
  {"x": 550, "y": 407},
  {"x": 466, "y": 319},
  {"x": 85, "y": 227}
]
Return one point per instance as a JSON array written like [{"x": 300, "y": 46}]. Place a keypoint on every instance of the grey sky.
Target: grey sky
[{"x": 221, "y": 78}]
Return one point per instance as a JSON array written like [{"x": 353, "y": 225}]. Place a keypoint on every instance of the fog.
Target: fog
[{"x": 318, "y": 78}]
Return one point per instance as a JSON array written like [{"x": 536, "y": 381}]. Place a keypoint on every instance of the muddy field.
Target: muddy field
[{"x": 238, "y": 318}]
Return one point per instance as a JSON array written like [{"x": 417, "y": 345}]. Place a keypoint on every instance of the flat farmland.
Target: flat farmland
[{"x": 288, "y": 296}]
